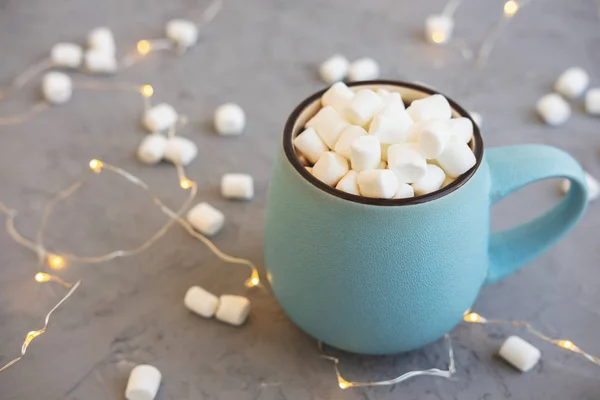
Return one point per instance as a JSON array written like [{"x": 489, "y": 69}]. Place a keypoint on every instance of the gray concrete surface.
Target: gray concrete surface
[{"x": 262, "y": 54}]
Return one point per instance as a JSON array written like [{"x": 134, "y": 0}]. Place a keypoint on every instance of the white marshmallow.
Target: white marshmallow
[
  {"x": 206, "y": 219},
  {"x": 592, "y": 101},
  {"x": 438, "y": 29},
  {"x": 180, "y": 150},
  {"x": 391, "y": 124},
  {"x": 348, "y": 183},
  {"x": 572, "y": 83},
  {"x": 101, "y": 39},
  {"x": 404, "y": 191},
  {"x": 329, "y": 124},
  {"x": 432, "y": 181},
  {"x": 592, "y": 185},
  {"x": 365, "y": 153},
  {"x": 233, "y": 310},
  {"x": 433, "y": 138},
  {"x": 229, "y": 119},
  {"x": 310, "y": 145},
  {"x": 143, "y": 383},
  {"x": 183, "y": 32},
  {"x": 377, "y": 183},
  {"x": 477, "y": 118},
  {"x": 384, "y": 151},
  {"x": 389, "y": 97},
  {"x": 67, "y": 55},
  {"x": 519, "y": 353},
  {"x": 334, "y": 69},
  {"x": 337, "y": 96},
  {"x": 201, "y": 301},
  {"x": 237, "y": 186},
  {"x": 363, "y": 107},
  {"x": 461, "y": 128},
  {"x": 553, "y": 109},
  {"x": 457, "y": 158},
  {"x": 100, "y": 61},
  {"x": 348, "y": 136},
  {"x": 330, "y": 168},
  {"x": 429, "y": 108},
  {"x": 152, "y": 149},
  {"x": 363, "y": 69},
  {"x": 57, "y": 87},
  {"x": 159, "y": 118},
  {"x": 406, "y": 162}
]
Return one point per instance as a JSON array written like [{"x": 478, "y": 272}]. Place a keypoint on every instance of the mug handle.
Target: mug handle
[{"x": 513, "y": 167}]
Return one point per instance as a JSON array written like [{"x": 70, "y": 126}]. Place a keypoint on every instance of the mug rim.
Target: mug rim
[{"x": 290, "y": 153}]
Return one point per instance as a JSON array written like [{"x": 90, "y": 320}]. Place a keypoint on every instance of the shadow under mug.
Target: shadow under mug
[{"x": 382, "y": 276}]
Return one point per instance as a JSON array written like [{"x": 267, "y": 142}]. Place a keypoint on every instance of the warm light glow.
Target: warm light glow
[
  {"x": 510, "y": 8},
  {"x": 56, "y": 262},
  {"x": 32, "y": 335},
  {"x": 474, "y": 317},
  {"x": 42, "y": 277},
  {"x": 343, "y": 385},
  {"x": 147, "y": 91},
  {"x": 144, "y": 47},
  {"x": 566, "y": 344},
  {"x": 186, "y": 183},
  {"x": 438, "y": 37},
  {"x": 96, "y": 165},
  {"x": 254, "y": 280}
]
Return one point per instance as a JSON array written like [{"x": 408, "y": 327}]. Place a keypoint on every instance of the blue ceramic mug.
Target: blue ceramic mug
[{"x": 381, "y": 276}]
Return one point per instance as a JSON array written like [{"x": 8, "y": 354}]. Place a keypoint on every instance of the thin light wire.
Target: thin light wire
[
  {"x": 102, "y": 86},
  {"x": 25, "y": 76},
  {"x": 451, "y": 7},
  {"x": 20, "y": 118}
]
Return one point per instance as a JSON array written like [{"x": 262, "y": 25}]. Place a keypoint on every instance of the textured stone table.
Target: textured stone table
[{"x": 262, "y": 54}]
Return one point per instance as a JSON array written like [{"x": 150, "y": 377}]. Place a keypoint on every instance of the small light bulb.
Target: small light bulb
[
  {"x": 343, "y": 385},
  {"x": 566, "y": 344},
  {"x": 510, "y": 8},
  {"x": 42, "y": 277},
  {"x": 253, "y": 281},
  {"x": 185, "y": 183},
  {"x": 144, "y": 47},
  {"x": 147, "y": 91},
  {"x": 96, "y": 165},
  {"x": 474, "y": 317},
  {"x": 438, "y": 37},
  {"x": 56, "y": 262}
]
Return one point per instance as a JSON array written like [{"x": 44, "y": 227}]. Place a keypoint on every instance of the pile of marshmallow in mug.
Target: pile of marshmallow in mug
[{"x": 367, "y": 143}]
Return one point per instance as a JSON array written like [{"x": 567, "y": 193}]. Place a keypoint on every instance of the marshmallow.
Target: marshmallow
[
  {"x": 334, "y": 69},
  {"x": 365, "y": 153},
  {"x": 159, "y": 118},
  {"x": 592, "y": 185},
  {"x": 406, "y": 162},
  {"x": 457, "y": 158},
  {"x": 180, "y": 150},
  {"x": 329, "y": 124},
  {"x": 412, "y": 136},
  {"x": 100, "y": 61},
  {"x": 477, "y": 118},
  {"x": 438, "y": 29},
  {"x": 461, "y": 128},
  {"x": 363, "y": 107},
  {"x": 337, "y": 96},
  {"x": 206, "y": 219},
  {"x": 377, "y": 183},
  {"x": 233, "y": 310},
  {"x": 349, "y": 135},
  {"x": 404, "y": 191},
  {"x": 519, "y": 353},
  {"x": 67, "y": 55},
  {"x": 143, "y": 383},
  {"x": 553, "y": 109},
  {"x": 152, "y": 149},
  {"x": 572, "y": 83},
  {"x": 330, "y": 168},
  {"x": 389, "y": 97},
  {"x": 237, "y": 186},
  {"x": 201, "y": 301},
  {"x": 310, "y": 145},
  {"x": 384, "y": 151},
  {"x": 184, "y": 33},
  {"x": 592, "y": 101},
  {"x": 428, "y": 108},
  {"x": 229, "y": 119},
  {"x": 101, "y": 39},
  {"x": 433, "y": 138},
  {"x": 432, "y": 181},
  {"x": 57, "y": 87},
  {"x": 391, "y": 124},
  {"x": 348, "y": 183},
  {"x": 363, "y": 69}
]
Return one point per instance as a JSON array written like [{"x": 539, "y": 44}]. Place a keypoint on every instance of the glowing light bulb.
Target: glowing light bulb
[
  {"x": 144, "y": 47},
  {"x": 56, "y": 262},
  {"x": 438, "y": 37},
  {"x": 147, "y": 91},
  {"x": 510, "y": 8},
  {"x": 253, "y": 281},
  {"x": 96, "y": 166},
  {"x": 186, "y": 183},
  {"x": 42, "y": 277},
  {"x": 474, "y": 317},
  {"x": 343, "y": 384},
  {"x": 566, "y": 344}
]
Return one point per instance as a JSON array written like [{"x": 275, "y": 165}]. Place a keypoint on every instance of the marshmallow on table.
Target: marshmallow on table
[
  {"x": 592, "y": 101},
  {"x": 68, "y": 55},
  {"x": 477, "y": 118},
  {"x": 310, "y": 144},
  {"x": 363, "y": 69},
  {"x": 101, "y": 39},
  {"x": 143, "y": 383},
  {"x": 233, "y": 310},
  {"x": 519, "y": 353},
  {"x": 391, "y": 124},
  {"x": 592, "y": 184},
  {"x": 237, "y": 186},
  {"x": 404, "y": 191},
  {"x": 457, "y": 158},
  {"x": 329, "y": 125},
  {"x": 406, "y": 162},
  {"x": 334, "y": 69},
  {"x": 572, "y": 83},
  {"x": 152, "y": 149},
  {"x": 348, "y": 183},
  {"x": 347, "y": 137},
  {"x": 229, "y": 119},
  {"x": 438, "y": 29},
  {"x": 461, "y": 128},
  {"x": 201, "y": 301},
  {"x": 180, "y": 150},
  {"x": 433, "y": 138},
  {"x": 377, "y": 183},
  {"x": 337, "y": 96},
  {"x": 362, "y": 108},
  {"x": 365, "y": 153},
  {"x": 428, "y": 108},
  {"x": 184, "y": 33},
  {"x": 432, "y": 181},
  {"x": 57, "y": 87},
  {"x": 330, "y": 168},
  {"x": 553, "y": 109},
  {"x": 159, "y": 118},
  {"x": 206, "y": 219},
  {"x": 100, "y": 61}
]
